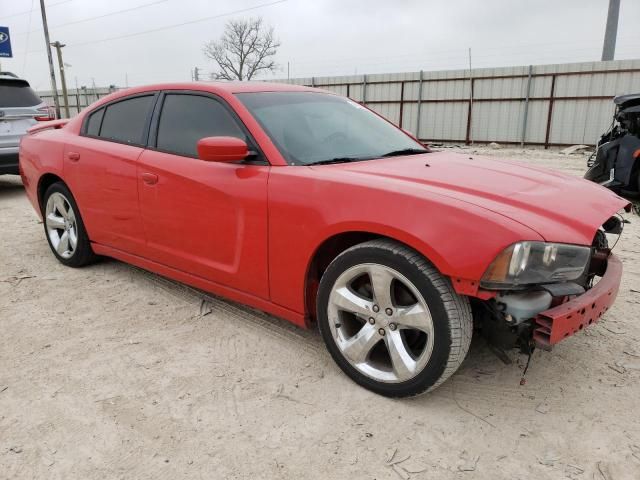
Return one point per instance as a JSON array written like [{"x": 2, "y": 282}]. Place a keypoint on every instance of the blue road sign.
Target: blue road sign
[{"x": 5, "y": 43}]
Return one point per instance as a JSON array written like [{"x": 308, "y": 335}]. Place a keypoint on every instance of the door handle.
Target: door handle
[
  {"x": 149, "y": 178},
  {"x": 73, "y": 156}
]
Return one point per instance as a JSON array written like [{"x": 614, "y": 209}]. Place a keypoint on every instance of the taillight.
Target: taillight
[{"x": 48, "y": 114}]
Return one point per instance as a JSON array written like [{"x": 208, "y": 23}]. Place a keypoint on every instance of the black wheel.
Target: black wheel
[
  {"x": 391, "y": 321},
  {"x": 64, "y": 229}
]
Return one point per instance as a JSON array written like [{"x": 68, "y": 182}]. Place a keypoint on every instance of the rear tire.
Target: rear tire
[
  {"x": 64, "y": 229},
  {"x": 391, "y": 321}
]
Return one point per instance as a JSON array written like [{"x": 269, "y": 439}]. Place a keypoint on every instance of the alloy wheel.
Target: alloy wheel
[
  {"x": 61, "y": 224},
  {"x": 380, "y": 323}
]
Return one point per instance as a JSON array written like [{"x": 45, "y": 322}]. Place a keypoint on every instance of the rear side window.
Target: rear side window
[
  {"x": 94, "y": 122},
  {"x": 185, "y": 119},
  {"x": 125, "y": 121},
  {"x": 17, "y": 93}
]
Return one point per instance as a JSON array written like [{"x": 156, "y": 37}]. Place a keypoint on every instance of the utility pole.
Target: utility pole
[
  {"x": 196, "y": 74},
  {"x": 611, "y": 32},
  {"x": 58, "y": 46},
  {"x": 52, "y": 72}
]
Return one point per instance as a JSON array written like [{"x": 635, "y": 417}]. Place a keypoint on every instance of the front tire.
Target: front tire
[
  {"x": 391, "y": 321},
  {"x": 64, "y": 228}
]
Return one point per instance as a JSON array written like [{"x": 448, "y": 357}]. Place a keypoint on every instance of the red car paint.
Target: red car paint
[{"x": 253, "y": 233}]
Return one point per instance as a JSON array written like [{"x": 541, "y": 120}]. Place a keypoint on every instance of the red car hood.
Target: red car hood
[{"x": 559, "y": 207}]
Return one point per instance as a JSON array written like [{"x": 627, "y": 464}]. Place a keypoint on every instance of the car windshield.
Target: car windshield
[{"x": 314, "y": 128}]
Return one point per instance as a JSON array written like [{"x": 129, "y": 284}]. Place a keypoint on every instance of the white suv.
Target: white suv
[{"x": 20, "y": 108}]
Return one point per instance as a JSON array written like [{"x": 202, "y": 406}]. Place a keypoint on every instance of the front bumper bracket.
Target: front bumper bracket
[{"x": 557, "y": 323}]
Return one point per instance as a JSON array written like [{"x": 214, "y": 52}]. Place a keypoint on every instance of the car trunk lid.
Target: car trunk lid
[{"x": 20, "y": 108}]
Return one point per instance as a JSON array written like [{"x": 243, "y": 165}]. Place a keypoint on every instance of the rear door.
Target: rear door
[
  {"x": 205, "y": 218},
  {"x": 101, "y": 169}
]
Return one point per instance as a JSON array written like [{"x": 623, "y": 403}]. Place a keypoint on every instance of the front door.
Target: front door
[{"x": 205, "y": 218}]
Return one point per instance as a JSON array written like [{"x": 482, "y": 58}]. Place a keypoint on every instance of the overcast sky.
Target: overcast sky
[{"x": 319, "y": 37}]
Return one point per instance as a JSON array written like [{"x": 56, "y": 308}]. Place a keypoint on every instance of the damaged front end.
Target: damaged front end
[{"x": 545, "y": 292}]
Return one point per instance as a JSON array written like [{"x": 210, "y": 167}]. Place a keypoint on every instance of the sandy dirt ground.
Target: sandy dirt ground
[{"x": 112, "y": 372}]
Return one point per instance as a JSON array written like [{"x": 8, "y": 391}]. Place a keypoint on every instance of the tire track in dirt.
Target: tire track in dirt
[{"x": 307, "y": 340}]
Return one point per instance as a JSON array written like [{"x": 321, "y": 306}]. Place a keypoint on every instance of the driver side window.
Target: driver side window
[{"x": 186, "y": 118}]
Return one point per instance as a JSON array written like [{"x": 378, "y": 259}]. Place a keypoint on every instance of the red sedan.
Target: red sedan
[{"x": 311, "y": 207}]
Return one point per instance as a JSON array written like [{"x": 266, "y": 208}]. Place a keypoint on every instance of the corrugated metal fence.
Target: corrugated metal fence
[
  {"x": 546, "y": 105},
  {"x": 78, "y": 98},
  {"x": 538, "y": 105}
]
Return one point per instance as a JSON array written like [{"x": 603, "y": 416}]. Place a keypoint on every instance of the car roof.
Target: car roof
[
  {"x": 242, "y": 87},
  {"x": 229, "y": 87},
  {"x": 220, "y": 88}
]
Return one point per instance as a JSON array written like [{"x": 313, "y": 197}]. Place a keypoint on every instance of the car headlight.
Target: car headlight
[{"x": 527, "y": 263}]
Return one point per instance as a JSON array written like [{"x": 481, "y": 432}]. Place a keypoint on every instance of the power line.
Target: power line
[
  {"x": 486, "y": 56},
  {"x": 457, "y": 62},
  {"x": 517, "y": 50},
  {"x": 116, "y": 12},
  {"x": 29, "y": 11},
  {"x": 461, "y": 64},
  {"x": 176, "y": 25}
]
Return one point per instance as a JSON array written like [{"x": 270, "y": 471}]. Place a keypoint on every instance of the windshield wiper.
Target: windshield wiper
[
  {"x": 329, "y": 161},
  {"x": 405, "y": 151}
]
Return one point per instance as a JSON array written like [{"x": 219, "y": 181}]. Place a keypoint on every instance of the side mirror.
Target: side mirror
[{"x": 222, "y": 149}]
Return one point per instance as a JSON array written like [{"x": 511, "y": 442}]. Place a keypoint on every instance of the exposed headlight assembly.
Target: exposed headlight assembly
[{"x": 528, "y": 263}]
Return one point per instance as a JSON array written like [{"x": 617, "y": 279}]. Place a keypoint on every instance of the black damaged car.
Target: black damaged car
[{"x": 616, "y": 162}]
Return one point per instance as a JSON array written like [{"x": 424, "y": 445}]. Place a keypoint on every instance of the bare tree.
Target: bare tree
[{"x": 245, "y": 49}]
